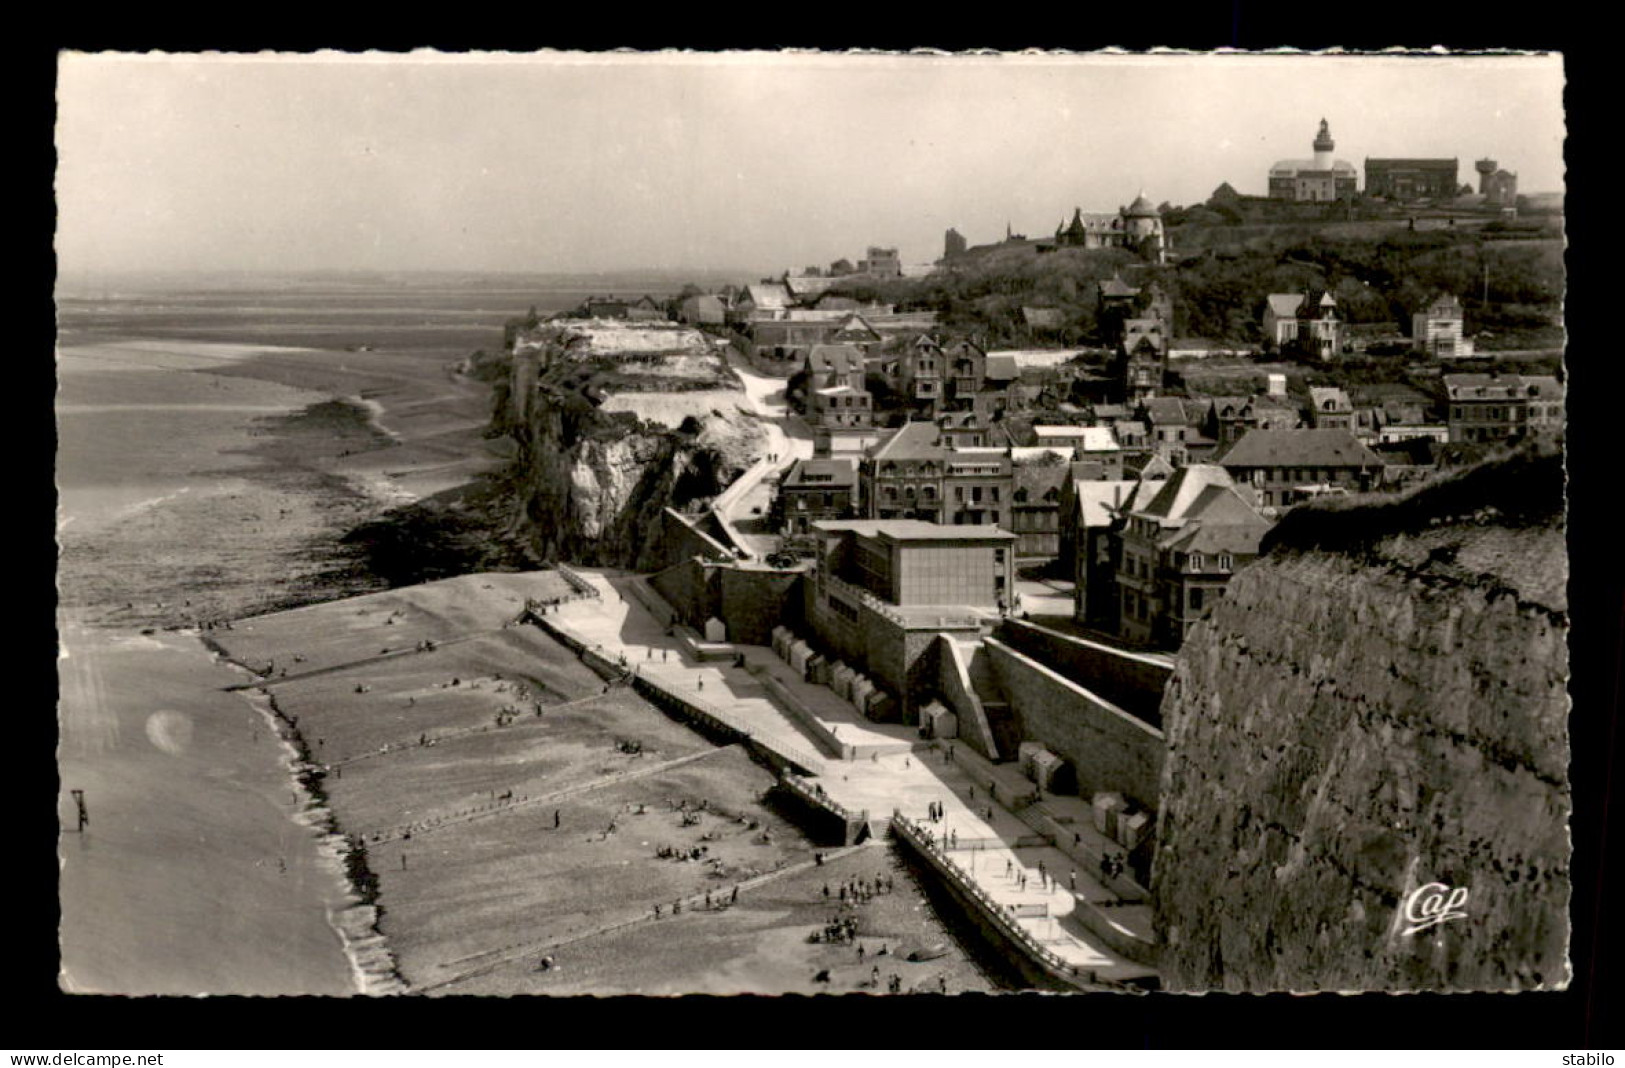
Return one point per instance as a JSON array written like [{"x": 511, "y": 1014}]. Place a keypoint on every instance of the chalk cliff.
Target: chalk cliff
[
  {"x": 1377, "y": 705},
  {"x": 612, "y": 426}
]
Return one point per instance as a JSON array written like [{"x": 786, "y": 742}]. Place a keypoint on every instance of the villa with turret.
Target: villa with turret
[{"x": 1137, "y": 227}]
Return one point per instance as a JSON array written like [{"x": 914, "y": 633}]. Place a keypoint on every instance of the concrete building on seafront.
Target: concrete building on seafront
[{"x": 910, "y": 563}]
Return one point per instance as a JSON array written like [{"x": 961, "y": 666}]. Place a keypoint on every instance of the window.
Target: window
[
  {"x": 1196, "y": 561},
  {"x": 1196, "y": 599},
  {"x": 1226, "y": 562}
]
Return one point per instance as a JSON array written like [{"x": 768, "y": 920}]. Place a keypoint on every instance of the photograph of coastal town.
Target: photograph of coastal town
[{"x": 811, "y": 523}]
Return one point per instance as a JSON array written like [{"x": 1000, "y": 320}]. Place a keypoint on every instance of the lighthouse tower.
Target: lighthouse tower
[{"x": 1323, "y": 148}]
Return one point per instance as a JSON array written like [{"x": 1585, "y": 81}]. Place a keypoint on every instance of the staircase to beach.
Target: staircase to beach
[{"x": 995, "y": 702}]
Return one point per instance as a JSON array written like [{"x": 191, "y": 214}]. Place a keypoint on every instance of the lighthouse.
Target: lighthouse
[{"x": 1323, "y": 148}]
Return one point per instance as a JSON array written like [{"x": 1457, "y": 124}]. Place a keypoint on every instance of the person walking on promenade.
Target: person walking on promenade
[
  {"x": 555, "y": 819},
  {"x": 1072, "y": 880}
]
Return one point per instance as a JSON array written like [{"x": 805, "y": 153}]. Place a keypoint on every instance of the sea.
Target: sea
[{"x": 216, "y": 437}]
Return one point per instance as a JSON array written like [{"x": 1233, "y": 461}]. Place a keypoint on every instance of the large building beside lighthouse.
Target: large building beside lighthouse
[{"x": 1319, "y": 179}]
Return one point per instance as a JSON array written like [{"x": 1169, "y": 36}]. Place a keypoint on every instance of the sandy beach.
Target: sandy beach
[{"x": 203, "y": 480}]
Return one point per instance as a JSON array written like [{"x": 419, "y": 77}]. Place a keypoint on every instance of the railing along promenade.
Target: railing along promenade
[
  {"x": 814, "y": 794},
  {"x": 890, "y": 612},
  {"x": 577, "y": 582},
  {"x": 1049, "y": 962}
]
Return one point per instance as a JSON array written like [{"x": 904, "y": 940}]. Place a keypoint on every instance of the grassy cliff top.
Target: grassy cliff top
[{"x": 1521, "y": 488}]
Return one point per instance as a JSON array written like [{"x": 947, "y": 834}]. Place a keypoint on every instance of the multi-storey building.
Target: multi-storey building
[
  {"x": 1330, "y": 409},
  {"x": 1229, "y": 418},
  {"x": 1090, "y": 509},
  {"x": 1492, "y": 407},
  {"x": 815, "y": 490},
  {"x": 1411, "y": 179},
  {"x": 1179, "y": 549},
  {"x": 1319, "y": 179},
  {"x": 910, "y": 563},
  {"x": 1035, "y": 510},
  {"x": 1296, "y": 321},
  {"x": 1437, "y": 330},
  {"x": 917, "y": 475},
  {"x": 836, "y": 395}
]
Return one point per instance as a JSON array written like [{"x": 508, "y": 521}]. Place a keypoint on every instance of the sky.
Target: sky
[{"x": 752, "y": 161}]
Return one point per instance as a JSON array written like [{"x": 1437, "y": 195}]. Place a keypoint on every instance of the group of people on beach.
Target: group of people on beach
[{"x": 857, "y": 891}]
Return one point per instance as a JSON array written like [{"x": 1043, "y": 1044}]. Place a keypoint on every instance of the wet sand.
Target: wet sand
[
  {"x": 206, "y": 481},
  {"x": 192, "y": 875}
]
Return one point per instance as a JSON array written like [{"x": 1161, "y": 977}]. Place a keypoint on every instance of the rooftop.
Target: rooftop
[
  {"x": 826, "y": 472},
  {"x": 1299, "y": 448},
  {"x": 913, "y": 530}
]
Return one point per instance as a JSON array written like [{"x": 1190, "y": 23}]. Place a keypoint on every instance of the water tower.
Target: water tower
[{"x": 1486, "y": 169}]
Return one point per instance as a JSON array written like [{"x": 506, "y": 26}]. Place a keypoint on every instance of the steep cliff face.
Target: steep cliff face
[
  {"x": 1377, "y": 705},
  {"x": 589, "y": 487},
  {"x": 602, "y": 449}
]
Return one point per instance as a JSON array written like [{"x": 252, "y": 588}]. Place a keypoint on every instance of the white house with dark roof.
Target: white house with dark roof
[{"x": 1438, "y": 329}]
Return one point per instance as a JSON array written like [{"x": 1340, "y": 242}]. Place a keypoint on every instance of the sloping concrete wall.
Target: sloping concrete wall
[
  {"x": 954, "y": 686},
  {"x": 1108, "y": 749},
  {"x": 1133, "y": 682}
]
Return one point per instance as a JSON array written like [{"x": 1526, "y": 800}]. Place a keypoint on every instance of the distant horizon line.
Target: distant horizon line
[{"x": 391, "y": 272}]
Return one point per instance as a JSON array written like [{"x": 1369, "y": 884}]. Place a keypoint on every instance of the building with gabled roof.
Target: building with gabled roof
[
  {"x": 1043, "y": 319},
  {"x": 1438, "y": 329},
  {"x": 1305, "y": 323},
  {"x": 1330, "y": 409},
  {"x": 1178, "y": 550},
  {"x": 1035, "y": 509},
  {"x": 763, "y": 300},
  {"x": 1229, "y": 418},
  {"x": 1287, "y": 466},
  {"x": 1091, "y": 508}
]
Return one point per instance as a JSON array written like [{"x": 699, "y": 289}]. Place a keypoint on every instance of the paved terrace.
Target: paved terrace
[{"x": 1009, "y": 861}]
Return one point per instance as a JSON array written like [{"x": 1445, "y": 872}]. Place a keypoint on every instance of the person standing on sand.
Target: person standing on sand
[{"x": 555, "y": 819}]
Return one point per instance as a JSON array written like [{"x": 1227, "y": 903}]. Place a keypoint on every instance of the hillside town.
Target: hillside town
[{"x": 988, "y": 535}]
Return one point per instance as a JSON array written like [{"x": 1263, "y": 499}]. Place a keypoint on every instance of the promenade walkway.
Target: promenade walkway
[
  {"x": 1011, "y": 863},
  {"x": 789, "y": 439}
]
